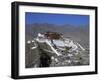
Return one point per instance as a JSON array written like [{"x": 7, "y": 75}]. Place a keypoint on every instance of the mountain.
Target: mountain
[{"x": 76, "y": 33}]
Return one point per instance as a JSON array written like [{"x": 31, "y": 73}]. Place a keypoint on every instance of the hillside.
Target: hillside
[{"x": 79, "y": 34}]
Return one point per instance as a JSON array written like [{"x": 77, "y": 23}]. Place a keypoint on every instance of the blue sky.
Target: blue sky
[{"x": 58, "y": 19}]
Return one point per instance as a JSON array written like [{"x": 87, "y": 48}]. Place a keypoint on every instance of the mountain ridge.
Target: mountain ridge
[{"x": 79, "y": 34}]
